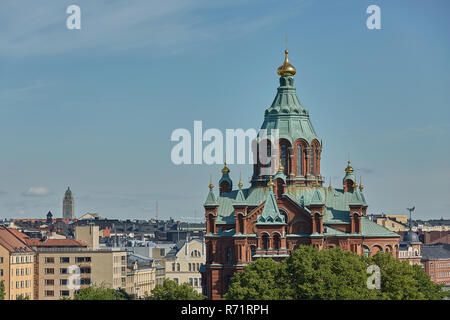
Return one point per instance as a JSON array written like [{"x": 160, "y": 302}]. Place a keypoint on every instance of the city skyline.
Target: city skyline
[{"x": 94, "y": 110}]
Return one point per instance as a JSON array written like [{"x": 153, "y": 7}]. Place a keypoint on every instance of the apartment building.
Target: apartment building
[
  {"x": 184, "y": 261},
  {"x": 64, "y": 271},
  {"x": 16, "y": 265},
  {"x": 143, "y": 275}
]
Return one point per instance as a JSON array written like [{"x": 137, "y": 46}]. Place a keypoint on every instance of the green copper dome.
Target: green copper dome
[{"x": 288, "y": 115}]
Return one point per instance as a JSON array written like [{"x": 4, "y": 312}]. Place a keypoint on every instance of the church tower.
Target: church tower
[
  {"x": 286, "y": 204},
  {"x": 68, "y": 205}
]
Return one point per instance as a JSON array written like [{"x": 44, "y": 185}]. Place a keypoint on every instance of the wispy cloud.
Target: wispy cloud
[
  {"x": 36, "y": 192},
  {"x": 30, "y": 27}
]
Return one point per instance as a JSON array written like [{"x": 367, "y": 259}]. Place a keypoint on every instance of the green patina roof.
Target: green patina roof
[
  {"x": 288, "y": 115},
  {"x": 317, "y": 198},
  {"x": 336, "y": 201},
  {"x": 270, "y": 214},
  {"x": 240, "y": 198},
  {"x": 211, "y": 199},
  {"x": 372, "y": 229}
]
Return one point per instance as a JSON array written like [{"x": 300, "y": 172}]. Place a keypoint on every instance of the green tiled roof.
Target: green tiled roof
[
  {"x": 270, "y": 214},
  {"x": 372, "y": 229},
  {"x": 211, "y": 199}
]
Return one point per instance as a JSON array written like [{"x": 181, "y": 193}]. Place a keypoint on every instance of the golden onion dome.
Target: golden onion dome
[
  {"x": 349, "y": 168},
  {"x": 225, "y": 169},
  {"x": 286, "y": 69}
]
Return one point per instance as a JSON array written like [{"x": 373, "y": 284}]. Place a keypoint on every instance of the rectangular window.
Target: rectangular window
[
  {"x": 64, "y": 260},
  {"x": 49, "y": 260},
  {"x": 63, "y": 282},
  {"x": 63, "y": 271},
  {"x": 1, "y": 272},
  {"x": 49, "y": 293},
  {"x": 1, "y": 259},
  {"x": 191, "y": 282},
  {"x": 49, "y": 271},
  {"x": 49, "y": 282},
  {"x": 64, "y": 293},
  {"x": 175, "y": 279}
]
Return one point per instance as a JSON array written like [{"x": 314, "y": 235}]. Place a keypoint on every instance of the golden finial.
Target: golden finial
[
  {"x": 361, "y": 187},
  {"x": 240, "y": 185},
  {"x": 281, "y": 168},
  {"x": 349, "y": 168},
  {"x": 270, "y": 184},
  {"x": 355, "y": 185},
  {"x": 286, "y": 69},
  {"x": 211, "y": 186},
  {"x": 316, "y": 183},
  {"x": 225, "y": 169},
  {"x": 330, "y": 188}
]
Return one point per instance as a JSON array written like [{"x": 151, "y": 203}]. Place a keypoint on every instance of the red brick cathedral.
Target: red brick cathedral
[{"x": 288, "y": 205}]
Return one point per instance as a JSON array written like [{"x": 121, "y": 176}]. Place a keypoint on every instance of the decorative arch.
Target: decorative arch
[
  {"x": 284, "y": 153},
  {"x": 265, "y": 239},
  {"x": 376, "y": 248},
  {"x": 267, "y": 154},
  {"x": 314, "y": 163},
  {"x": 276, "y": 238},
  {"x": 300, "y": 150}
]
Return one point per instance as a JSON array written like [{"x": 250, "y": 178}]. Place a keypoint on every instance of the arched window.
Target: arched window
[
  {"x": 252, "y": 251},
  {"x": 265, "y": 241},
  {"x": 312, "y": 159},
  {"x": 229, "y": 255},
  {"x": 283, "y": 158},
  {"x": 299, "y": 160},
  {"x": 190, "y": 267},
  {"x": 276, "y": 241}
]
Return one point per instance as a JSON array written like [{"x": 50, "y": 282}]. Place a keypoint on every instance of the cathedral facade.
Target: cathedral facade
[{"x": 287, "y": 204}]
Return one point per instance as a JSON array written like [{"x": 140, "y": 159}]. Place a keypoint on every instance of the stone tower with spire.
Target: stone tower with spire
[
  {"x": 286, "y": 204},
  {"x": 68, "y": 205}
]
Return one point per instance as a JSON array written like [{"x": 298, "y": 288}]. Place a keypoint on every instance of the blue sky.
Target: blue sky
[{"x": 94, "y": 108}]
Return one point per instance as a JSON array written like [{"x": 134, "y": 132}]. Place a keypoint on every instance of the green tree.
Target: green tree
[
  {"x": 95, "y": 292},
  {"x": 22, "y": 297},
  {"x": 401, "y": 281},
  {"x": 327, "y": 274},
  {"x": 170, "y": 290},
  {"x": 331, "y": 274},
  {"x": 261, "y": 280},
  {"x": 2, "y": 290}
]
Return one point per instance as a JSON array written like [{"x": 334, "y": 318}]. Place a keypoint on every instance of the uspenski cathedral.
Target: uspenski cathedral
[{"x": 288, "y": 206}]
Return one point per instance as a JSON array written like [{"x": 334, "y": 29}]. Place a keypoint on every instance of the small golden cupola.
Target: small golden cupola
[
  {"x": 349, "y": 168},
  {"x": 225, "y": 169},
  {"x": 286, "y": 69}
]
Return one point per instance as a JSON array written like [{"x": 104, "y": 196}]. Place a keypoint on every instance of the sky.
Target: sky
[{"x": 94, "y": 109}]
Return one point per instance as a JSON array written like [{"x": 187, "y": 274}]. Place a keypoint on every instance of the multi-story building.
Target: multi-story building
[
  {"x": 436, "y": 262},
  {"x": 63, "y": 266},
  {"x": 184, "y": 261},
  {"x": 143, "y": 274},
  {"x": 16, "y": 265},
  {"x": 57, "y": 267},
  {"x": 287, "y": 204}
]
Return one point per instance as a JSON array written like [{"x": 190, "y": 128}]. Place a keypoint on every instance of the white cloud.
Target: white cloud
[{"x": 36, "y": 192}]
